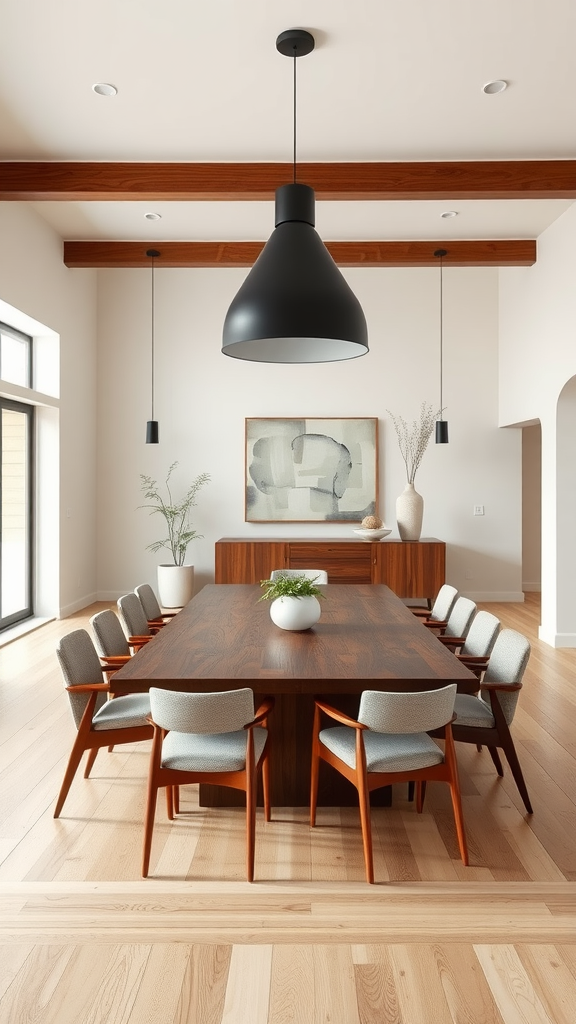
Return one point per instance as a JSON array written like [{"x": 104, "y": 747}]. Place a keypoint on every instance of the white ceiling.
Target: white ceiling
[{"x": 203, "y": 81}]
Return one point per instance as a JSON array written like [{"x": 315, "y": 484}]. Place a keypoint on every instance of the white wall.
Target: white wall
[
  {"x": 202, "y": 398},
  {"x": 34, "y": 279},
  {"x": 537, "y": 360},
  {"x": 531, "y": 507}
]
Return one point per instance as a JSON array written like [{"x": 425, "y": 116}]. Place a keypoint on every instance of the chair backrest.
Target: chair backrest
[
  {"x": 460, "y": 618},
  {"x": 318, "y": 575},
  {"x": 80, "y": 664},
  {"x": 108, "y": 634},
  {"x": 407, "y": 712},
  {"x": 132, "y": 616},
  {"x": 149, "y": 601},
  {"x": 227, "y": 711},
  {"x": 507, "y": 664},
  {"x": 444, "y": 603},
  {"x": 481, "y": 635}
]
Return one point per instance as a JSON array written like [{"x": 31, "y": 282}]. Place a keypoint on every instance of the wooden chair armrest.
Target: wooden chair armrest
[
  {"x": 452, "y": 641},
  {"x": 474, "y": 659},
  {"x": 339, "y": 716},
  {"x": 115, "y": 659},
  {"x": 264, "y": 710},
  {"x": 505, "y": 687},
  {"x": 89, "y": 688},
  {"x": 138, "y": 639},
  {"x": 421, "y": 611}
]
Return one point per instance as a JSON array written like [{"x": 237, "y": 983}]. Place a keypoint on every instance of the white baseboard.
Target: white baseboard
[
  {"x": 77, "y": 606},
  {"x": 530, "y": 587},
  {"x": 556, "y": 639},
  {"x": 486, "y": 596}
]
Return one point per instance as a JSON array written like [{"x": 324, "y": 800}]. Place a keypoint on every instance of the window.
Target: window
[
  {"x": 16, "y": 433},
  {"x": 15, "y": 356}
]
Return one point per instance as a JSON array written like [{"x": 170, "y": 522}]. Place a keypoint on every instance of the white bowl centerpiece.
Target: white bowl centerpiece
[
  {"x": 295, "y": 604},
  {"x": 372, "y": 528}
]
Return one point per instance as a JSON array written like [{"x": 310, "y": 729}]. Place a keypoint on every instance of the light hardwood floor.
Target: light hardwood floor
[{"x": 84, "y": 939}]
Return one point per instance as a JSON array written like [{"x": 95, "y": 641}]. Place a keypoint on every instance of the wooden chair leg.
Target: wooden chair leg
[
  {"x": 176, "y": 799},
  {"x": 410, "y": 791},
  {"x": 71, "y": 769},
  {"x": 266, "y": 786},
  {"x": 315, "y": 767},
  {"x": 364, "y": 801},
  {"x": 90, "y": 761},
  {"x": 420, "y": 796},
  {"x": 110, "y": 748},
  {"x": 450, "y": 758},
  {"x": 149, "y": 825},
  {"x": 496, "y": 759},
  {"x": 512, "y": 758},
  {"x": 479, "y": 748},
  {"x": 170, "y": 802},
  {"x": 250, "y": 822}
]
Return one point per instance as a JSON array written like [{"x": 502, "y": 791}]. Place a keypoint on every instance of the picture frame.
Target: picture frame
[{"x": 314, "y": 469}]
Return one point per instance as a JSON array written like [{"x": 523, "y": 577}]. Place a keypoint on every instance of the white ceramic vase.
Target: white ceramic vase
[
  {"x": 409, "y": 512},
  {"x": 295, "y": 613},
  {"x": 175, "y": 585}
]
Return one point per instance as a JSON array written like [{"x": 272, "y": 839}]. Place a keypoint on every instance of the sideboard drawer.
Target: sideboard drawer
[{"x": 344, "y": 563}]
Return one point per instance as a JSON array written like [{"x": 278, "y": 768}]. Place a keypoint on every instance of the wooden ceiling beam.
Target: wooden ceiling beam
[
  {"x": 486, "y": 253},
  {"x": 491, "y": 179}
]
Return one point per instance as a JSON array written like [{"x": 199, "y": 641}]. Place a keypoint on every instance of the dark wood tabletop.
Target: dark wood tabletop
[
  {"x": 365, "y": 638},
  {"x": 224, "y": 639}
]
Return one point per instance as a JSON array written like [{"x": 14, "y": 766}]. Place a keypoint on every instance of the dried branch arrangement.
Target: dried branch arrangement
[{"x": 413, "y": 438}]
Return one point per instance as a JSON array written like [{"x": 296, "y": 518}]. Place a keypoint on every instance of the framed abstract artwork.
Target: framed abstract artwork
[{"x": 311, "y": 470}]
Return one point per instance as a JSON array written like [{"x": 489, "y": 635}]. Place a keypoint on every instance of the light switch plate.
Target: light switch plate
[{"x": 478, "y": 510}]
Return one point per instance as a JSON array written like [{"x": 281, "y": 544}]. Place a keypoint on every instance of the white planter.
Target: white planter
[
  {"x": 175, "y": 585},
  {"x": 295, "y": 612},
  {"x": 409, "y": 512}
]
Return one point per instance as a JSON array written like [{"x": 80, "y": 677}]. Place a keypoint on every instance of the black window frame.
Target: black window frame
[
  {"x": 25, "y": 613},
  {"x": 13, "y": 332}
]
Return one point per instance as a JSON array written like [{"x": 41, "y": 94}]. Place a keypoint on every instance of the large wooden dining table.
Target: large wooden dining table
[{"x": 366, "y": 639}]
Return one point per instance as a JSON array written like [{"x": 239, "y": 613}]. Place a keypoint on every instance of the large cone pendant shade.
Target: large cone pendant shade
[{"x": 295, "y": 306}]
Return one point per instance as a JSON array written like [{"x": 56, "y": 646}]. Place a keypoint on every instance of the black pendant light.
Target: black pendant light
[
  {"x": 441, "y": 424},
  {"x": 295, "y": 306},
  {"x": 152, "y": 432}
]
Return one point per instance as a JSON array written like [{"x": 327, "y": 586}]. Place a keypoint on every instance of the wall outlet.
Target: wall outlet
[{"x": 478, "y": 510}]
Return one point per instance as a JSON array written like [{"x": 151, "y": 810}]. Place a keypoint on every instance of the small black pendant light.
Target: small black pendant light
[
  {"x": 441, "y": 424},
  {"x": 152, "y": 432},
  {"x": 295, "y": 306}
]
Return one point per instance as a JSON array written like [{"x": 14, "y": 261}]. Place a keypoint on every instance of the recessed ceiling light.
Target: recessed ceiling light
[
  {"x": 493, "y": 87},
  {"x": 153, "y": 216},
  {"x": 104, "y": 89},
  {"x": 449, "y": 213}
]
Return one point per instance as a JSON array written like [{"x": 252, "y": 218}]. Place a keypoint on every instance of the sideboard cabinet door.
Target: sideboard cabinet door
[
  {"x": 411, "y": 568},
  {"x": 239, "y": 561}
]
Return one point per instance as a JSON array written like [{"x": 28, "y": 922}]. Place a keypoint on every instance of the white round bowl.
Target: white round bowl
[{"x": 373, "y": 534}]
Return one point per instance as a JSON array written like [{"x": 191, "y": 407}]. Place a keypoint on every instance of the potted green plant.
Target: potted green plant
[
  {"x": 295, "y": 604},
  {"x": 176, "y": 578}
]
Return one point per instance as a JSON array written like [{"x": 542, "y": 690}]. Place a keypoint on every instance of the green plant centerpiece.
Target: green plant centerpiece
[
  {"x": 176, "y": 579},
  {"x": 295, "y": 604}
]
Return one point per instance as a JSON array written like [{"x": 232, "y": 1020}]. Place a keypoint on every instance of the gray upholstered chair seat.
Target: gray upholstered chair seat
[
  {"x": 216, "y": 752},
  {"x": 473, "y": 711},
  {"x": 123, "y": 712},
  {"x": 401, "y": 752}
]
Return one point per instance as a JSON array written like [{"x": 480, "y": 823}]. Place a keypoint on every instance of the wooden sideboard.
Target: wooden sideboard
[{"x": 409, "y": 568}]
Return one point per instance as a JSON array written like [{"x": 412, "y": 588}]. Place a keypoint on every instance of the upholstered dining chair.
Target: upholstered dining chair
[
  {"x": 443, "y": 604},
  {"x": 389, "y": 743},
  {"x": 486, "y": 719},
  {"x": 458, "y": 622},
  {"x": 99, "y": 722},
  {"x": 134, "y": 622},
  {"x": 208, "y": 737},
  {"x": 318, "y": 575},
  {"x": 110, "y": 640},
  {"x": 152, "y": 609},
  {"x": 475, "y": 648}
]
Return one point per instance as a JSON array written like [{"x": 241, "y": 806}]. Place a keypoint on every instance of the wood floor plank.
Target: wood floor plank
[
  {"x": 248, "y": 988},
  {"x": 511, "y": 986}
]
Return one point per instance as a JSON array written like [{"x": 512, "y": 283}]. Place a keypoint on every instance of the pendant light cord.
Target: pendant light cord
[
  {"x": 294, "y": 117},
  {"x": 441, "y": 336},
  {"x": 152, "y": 332}
]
